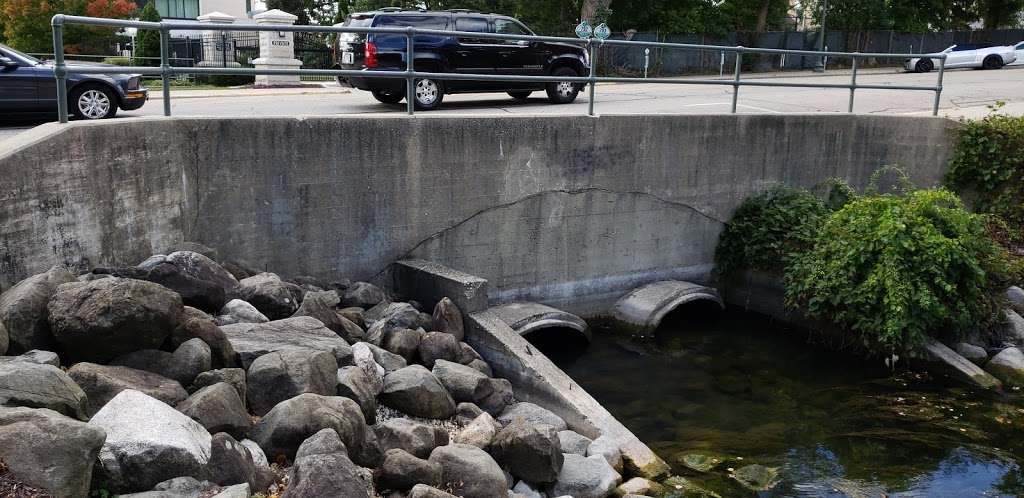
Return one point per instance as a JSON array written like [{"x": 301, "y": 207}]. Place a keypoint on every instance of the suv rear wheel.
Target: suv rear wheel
[
  {"x": 563, "y": 92},
  {"x": 428, "y": 94},
  {"x": 387, "y": 97}
]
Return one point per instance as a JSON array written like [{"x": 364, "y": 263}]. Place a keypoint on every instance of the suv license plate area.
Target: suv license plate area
[{"x": 348, "y": 57}]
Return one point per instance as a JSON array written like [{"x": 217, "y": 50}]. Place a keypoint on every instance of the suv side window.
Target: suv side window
[
  {"x": 474, "y": 24},
  {"x": 509, "y": 27},
  {"x": 416, "y": 21}
]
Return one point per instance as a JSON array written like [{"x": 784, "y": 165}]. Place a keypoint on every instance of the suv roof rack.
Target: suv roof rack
[{"x": 390, "y": 9}]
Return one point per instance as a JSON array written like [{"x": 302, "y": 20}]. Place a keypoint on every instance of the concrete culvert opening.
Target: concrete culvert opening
[
  {"x": 560, "y": 344},
  {"x": 700, "y": 311}
]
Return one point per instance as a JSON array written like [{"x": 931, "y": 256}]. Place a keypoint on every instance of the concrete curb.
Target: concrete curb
[{"x": 156, "y": 94}]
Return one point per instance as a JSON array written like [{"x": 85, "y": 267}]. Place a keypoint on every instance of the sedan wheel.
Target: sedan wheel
[
  {"x": 93, "y": 102},
  {"x": 924, "y": 66},
  {"x": 428, "y": 93},
  {"x": 992, "y": 62}
]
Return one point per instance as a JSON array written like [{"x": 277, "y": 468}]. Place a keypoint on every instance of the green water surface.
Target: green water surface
[{"x": 733, "y": 390}]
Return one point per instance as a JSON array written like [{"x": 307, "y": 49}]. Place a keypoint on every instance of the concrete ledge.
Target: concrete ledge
[
  {"x": 527, "y": 318},
  {"x": 429, "y": 282}
]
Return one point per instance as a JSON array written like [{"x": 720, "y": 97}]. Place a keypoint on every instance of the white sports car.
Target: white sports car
[
  {"x": 976, "y": 55},
  {"x": 1019, "y": 49}
]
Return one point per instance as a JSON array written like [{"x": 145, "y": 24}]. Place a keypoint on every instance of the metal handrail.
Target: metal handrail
[{"x": 410, "y": 74}]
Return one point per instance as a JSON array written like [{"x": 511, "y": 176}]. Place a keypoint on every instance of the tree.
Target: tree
[
  {"x": 1000, "y": 13},
  {"x": 27, "y": 24},
  {"x": 147, "y": 41},
  {"x": 855, "y": 15}
]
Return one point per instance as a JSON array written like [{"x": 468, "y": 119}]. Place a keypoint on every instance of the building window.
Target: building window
[{"x": 178, "y": 9}]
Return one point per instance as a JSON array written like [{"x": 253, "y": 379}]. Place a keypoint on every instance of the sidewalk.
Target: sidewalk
[{"x": 326, "y": 88}]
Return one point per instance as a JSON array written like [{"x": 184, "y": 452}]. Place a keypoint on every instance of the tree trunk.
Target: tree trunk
[
  {"x": 590, "y": 7},
  {"x": 762, "y": 16}
]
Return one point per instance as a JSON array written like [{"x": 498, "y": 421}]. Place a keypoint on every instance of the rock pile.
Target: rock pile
[{"x": 182, "y": 377}]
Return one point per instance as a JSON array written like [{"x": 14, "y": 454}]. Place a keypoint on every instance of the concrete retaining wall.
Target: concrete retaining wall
[{"x": 547, "y": 209}]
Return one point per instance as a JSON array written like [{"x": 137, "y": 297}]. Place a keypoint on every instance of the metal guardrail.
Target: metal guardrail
[{"x": 165, "y": 71}]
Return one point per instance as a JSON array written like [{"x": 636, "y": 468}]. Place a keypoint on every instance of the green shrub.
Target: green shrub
[
  {"x": 896, "y": 269},
  {"x": 987, "y": 168},
  {"x": 118, "y": 61},
  {"x": 767, "y": 229}
]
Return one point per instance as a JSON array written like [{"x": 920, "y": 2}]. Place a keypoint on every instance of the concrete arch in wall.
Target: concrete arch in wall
[
  {"x": 532, "y": 318},
  {"x": 645, "y": 307}
]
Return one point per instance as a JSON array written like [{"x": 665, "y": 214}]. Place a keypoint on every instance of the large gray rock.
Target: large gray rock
[
  {"x": 238, "y": 311},
  {"x": 355, "y": 384},
  {"x": 252, "y": 340},
  {"x": 417, "y": 438},
  {"x": 467, "y": 384},
  {"x": 573, "y": 442},
  {"x": 148, "y": 442},
  {"x": 284, "y": 428},
  {"x": 1008, "y": 366},
  {"x": 289, "y": 372},
  {"x": 1016, "y": 297},
  {"x": 479, "y": 432},
  {"x": 400, "y": 316},
  {"x": 531, "y": 413},
  {"x": 219, "y": 409},
  {"x": 179, "y": 487},
  {"x": 235, "y": 377},
  {"x": 975, "y": 354},
  {"x": 198, "y": 325},
  {"x": 448, "y": 319},
  {"x": 24, "y": 314},
  {"x": 363, "y": 295},
  {"x": 47, "y": 450},
  {"x": 102, "y": 382},
  {"x": 385, "y": 358},
  {"x": 415, "y": 391},
  {"x": 323, "y": 306},
  {"x": 192, "y": 246},
  {"x": 469, "y": 471},
  {"x": 322, "y": 468},
  {"x": 585, "y": 477},
  {"x": 231, "y": 463},
  {"x": 274, "y": 297},
  {"x": 438, "y": 346},
  {"x": 183, "y": 365},
  {"x": 424, "y": 491},
  {"x": 100, "y": 320},
  {"x": 41, "y": 386},
  {"x": 403, "y": 342},
  {"x": 35, "y": 356},
  {"x": 942, "y": 360},
  {"x": 323, "y": 442},
  {"x": 1014, "y": 327},
  {"x": 200, "y": 281},
  {"x": 529, "y": 451},
  {"x": 363, "y": 358},
  {"x": 607, "y": 448},
  {"x": 401, "y": 471}
]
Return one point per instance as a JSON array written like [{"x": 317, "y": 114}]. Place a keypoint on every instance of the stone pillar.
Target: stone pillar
[
  {"x": 277, "y": 49},
  {"x": 218, "y": 46}
]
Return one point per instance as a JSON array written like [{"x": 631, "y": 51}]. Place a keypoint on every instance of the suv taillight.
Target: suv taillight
[{"x": 371, "y": 54}]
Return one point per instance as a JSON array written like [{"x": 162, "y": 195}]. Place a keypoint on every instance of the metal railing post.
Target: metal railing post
[
  {"x": 60, "y": 70},
  {"x": 165, "y": 68},
  {"x": 736, "y": 78},
  {"x": 938, "y": 87},
  {"x": 410, "y": 81},
  {"x": 853, "y": 83},
  {"x": 593, "y": 73}
]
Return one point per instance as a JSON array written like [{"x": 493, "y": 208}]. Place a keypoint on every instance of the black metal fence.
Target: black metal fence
[{"x": 314, "y": 50}]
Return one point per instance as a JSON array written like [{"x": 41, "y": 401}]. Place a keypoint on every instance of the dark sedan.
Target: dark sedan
[{"x": 27, "y": 86}]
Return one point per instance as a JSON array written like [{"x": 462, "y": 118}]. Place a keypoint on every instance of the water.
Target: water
[{"x": 741, "y": 391}]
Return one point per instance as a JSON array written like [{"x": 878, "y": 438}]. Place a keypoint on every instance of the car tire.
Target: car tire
[
  {"x": 519, "y": 95},
  {"x": 992, "y": 62},
  {"x": 563, "y": 92},
  {"x": 92, "y": 101},
  {"x": 924, "y": 66},
  {"x": 428, "y": 94},
  {"x": 387, "y": 97}
]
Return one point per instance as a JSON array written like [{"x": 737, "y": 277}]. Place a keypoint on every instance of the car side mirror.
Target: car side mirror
[
  {"x": 523, "y": 43},
  {"x": 7, "y": 62}
]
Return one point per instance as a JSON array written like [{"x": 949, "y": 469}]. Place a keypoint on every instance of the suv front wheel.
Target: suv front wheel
[
  {"x": 563, "y": 92},
  {"x": 388, "y": 97},
  {"x": 428, "y": 94}
]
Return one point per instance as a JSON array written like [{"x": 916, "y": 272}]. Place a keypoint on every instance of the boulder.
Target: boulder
[
  {"x": 438, "y": 346},
  {"x": 239, "y": 269},
  {"x": 287, "y": 425},
  {"x": 468, "y": 384},
  {"x": 975, "y": 354},
  {"x": 103, "y": 319},
  {"x": 41, "y": 386},
  {"x": 219, "y": 409},
  {"x": 400, "y": 316},
  {"x": 323, "y": 306},
  {"x": 403, "y": 342},
  {"x": 362, "y": 356},
  {"x": 448, "y": 319},
  {"x": 238, "y": 311},
  {"x": 417, "y": 438},
  {"x": 466, "y": 413},
  {"x": 179, "y": 487},
  {"x": 231, "y": 463},
  {"x": 415, "y": 391},
  {"x": 235, "y": 377},
  {"x": 525, "y": 490},
  {"x": 205, "y": 250},
  {"x": 200, "y": 281},
  {"x": 1015, "y": 295},
  {"x": 401, "y": 471},
  {"x": 480, "y": 432},
  {"x": 322, "y": 468},
  {"x": 275, "y": 298},
  {"x": 252, "y": 340},
  {"x": 529, "y": 451},
  {"x": 47, "y": 450},
  {"x": 638, "y": 486},
  {"x": 24, "y": 314},
  {"x": 354, "y": 314},
  {"x": 385, "y": 358},
  {"x": 355, "y": 384},
  {"x": 531, "y": 413},
  {"x": 183, "y": 365},
  {"x": 481, "y": 366},
  {"x": 1014, "y": 327},
  {"x": 585, "y": 477},
  {"x": 289, "y": 372},
  {"x": 939, "y": 359},
  {"x": 258, "y": 457},
  {"x": 469, "y": 471},
  {"x": 35, "y": 356},
  {"x": 374, "y": 314},
  {"x": 573, "y": 442},
  {"x": 198, "y": 325},
  {"x": 102, "y": 383},
  {"x": 424, "y": 491},
  {"x": 236, "y": 491},
  {"x": 607, "y": 448},
  {"x": 363, "y": 295},
  {"x": 148, "y": 442},
  {"x": 1008, "y": 366},
  {"x": 467, "y": 354}
]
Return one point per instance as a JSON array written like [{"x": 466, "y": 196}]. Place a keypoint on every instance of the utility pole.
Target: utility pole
[{"x": 819, "y": 67}]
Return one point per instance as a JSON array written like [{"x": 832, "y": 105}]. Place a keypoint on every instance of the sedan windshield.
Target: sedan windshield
[{"x": 19, "y": 55}]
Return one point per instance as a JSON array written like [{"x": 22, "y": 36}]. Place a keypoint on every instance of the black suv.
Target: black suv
[{"x": 450, "y": 54}]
